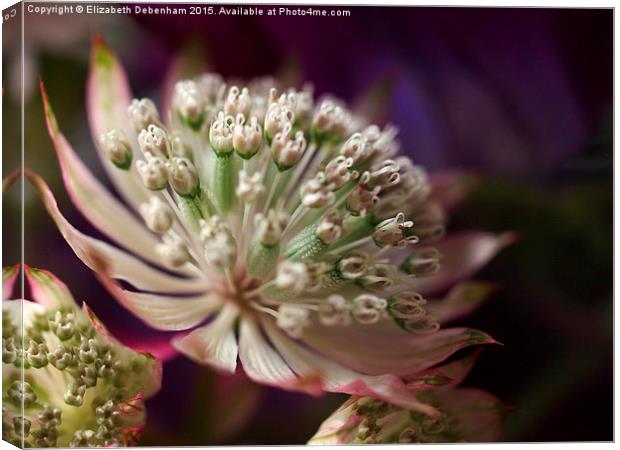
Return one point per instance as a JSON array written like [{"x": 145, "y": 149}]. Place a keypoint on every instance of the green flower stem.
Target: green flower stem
[
  {"x": 223, "y": 182},
  {"x": 261, "y": 258}
]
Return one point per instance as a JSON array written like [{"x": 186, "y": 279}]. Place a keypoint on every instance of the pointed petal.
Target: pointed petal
[
  {"x": 160, "y": 311},
  {"x": 102, "y": 210},
  {"x": 107, "y": 99},
  {"x": 9, "y": 276},
  {"x": 451, "y": 187},
  {"x": 370, "y": 350},
  {"x": 335, "y": 378},
  {"x": 445, "y": 376},
  {"x": 48, "y": 290},
  {"x": 463, "y": 255},
  {"x": 461, "y": 300},
  {"x": 120, "y": 264},
  {"x": 213, "y": 344},
  {"x": 189, "y": 62}
]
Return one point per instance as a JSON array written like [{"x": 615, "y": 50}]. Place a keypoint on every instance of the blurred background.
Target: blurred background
[{"x": 521, "y": 97}]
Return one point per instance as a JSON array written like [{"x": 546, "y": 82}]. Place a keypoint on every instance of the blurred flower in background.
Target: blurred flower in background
[{"x": 521, "y": 96}]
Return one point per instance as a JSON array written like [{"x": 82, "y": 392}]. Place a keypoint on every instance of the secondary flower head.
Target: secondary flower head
[
  {"x": 79, "y": 387},
  {"x": 464, "y": 414},
  {"x": 285, "y": 251}
]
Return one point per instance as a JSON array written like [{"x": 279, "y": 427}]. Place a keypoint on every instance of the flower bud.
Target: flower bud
[
  {"x": 247, "y": 137},
  {"x": 368, "y": 309},
  {"x": 189, "y": 104},
  {"x": 338, "y": 173},
  {"x": 269, "y": 229},
  {"x": 183, "y": 177},
  {"x": 249, "y": 187},
  {"x": 362, "y": 200},
  {"x": 278, "y": 115},
  {"x": 384, "y": 175},
  {"x": 143, "y": 113},
  {"x": 315, "y": 193},
  {"x": 221, "y": 134},
  {"x": 173, "y": 250},
  {"x": 154, "y": 140},
  {"x": 394, "y": 232},
  {"x": 116, "y": 148},
  {"x": 329, "y": 122},
  {"x": 220, "y": 250},
  {"x": 335, "y": 311},
  {"x": 293, "y": 319},
  {"x": 238, "y": 102},
  {"x": 330, "y": 227},
  {"x": 157, "y": 215},
  {"x": 292, "y": 275},
  {"x": 353, "y": 265},
  {"x": 357, "y": 148},
  {"x": 287, "y": 152},
  {"x": 153, "y": 171}
]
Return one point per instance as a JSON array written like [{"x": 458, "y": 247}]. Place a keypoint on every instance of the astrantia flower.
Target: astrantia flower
[
  {"x": 465, "y": 414},
  {"x": 78, "y": 386},
  {"x": 284, "y": 232}
]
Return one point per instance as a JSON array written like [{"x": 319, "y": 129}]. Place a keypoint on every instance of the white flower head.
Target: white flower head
[{"x": 282, "y": 225}]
